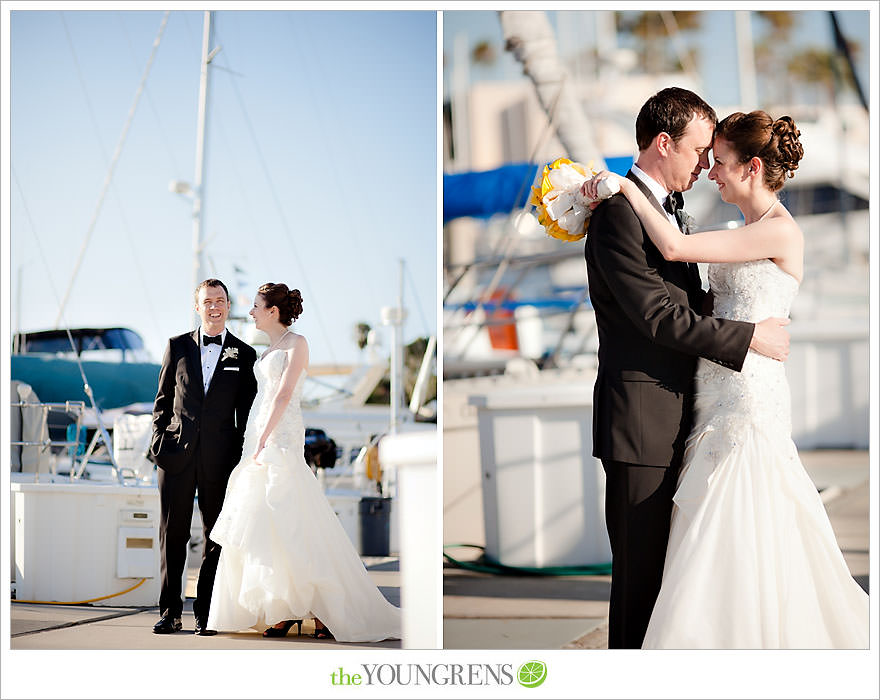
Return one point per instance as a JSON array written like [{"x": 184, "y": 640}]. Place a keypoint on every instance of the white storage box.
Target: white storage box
[
  {"x": 80, "y": 541},
  {"x": 345, "y": 504},
  {"x": 543, "y": 492}
]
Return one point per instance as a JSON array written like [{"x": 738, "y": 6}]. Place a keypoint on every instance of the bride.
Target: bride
[
  {"x": 285, "y": 555},
  {"x": 752, "y": 560}
]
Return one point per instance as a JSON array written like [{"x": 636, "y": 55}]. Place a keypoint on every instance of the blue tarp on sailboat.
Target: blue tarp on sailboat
[
  {"x": 488, "y": 192},
  {"x": 484, "y": 193}
]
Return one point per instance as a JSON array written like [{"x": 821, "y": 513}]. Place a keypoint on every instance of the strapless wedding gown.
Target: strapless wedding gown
[
  {"x": 285, "y": 555},
  {"x": 752, "y": 561}
]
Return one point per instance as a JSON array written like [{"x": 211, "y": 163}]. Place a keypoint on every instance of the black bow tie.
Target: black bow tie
[
  {"x": 208, "y": 339},
  {"x": 674, "y": 202}
]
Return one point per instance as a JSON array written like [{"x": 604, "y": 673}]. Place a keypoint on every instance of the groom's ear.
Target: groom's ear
[{"x": 663, "y": 142}]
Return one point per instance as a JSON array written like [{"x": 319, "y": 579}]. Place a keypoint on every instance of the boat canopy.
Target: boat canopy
[
  {"x": 115, "y": 384},
  {"x": 57, "y": 342},
  {"x": 114, "y": 361},
  {"x": 484, "y": 193}
]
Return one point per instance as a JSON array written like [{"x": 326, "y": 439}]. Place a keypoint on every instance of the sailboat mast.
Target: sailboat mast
[
  {"x": 397, "y": 357},
  {"x": 745, "y": 52},
  {"x": 395, "y": 317},
  {"x": 198, "y": 183}
]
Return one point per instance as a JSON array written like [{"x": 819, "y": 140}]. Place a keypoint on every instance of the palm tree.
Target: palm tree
[
  {"x": 770, "y": 58},
  {"x": 652, "y": 33},
  {"x": 412, "y": 355},
  {"x": 483, "y": 53},
  {"x": 823, "y": 68},
  {"x": 362, "y": 333},
  {"x": 815, "y": 67}
]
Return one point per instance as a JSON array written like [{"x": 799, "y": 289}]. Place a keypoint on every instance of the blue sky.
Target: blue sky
[
  {"x": 321, "y": 169},
  {"x": 716, "y": 43}
]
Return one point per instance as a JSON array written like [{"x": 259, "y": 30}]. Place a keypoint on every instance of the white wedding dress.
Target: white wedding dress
[
  {"x": 285, "y": 555},
  {"x": 752, "y": 561}
]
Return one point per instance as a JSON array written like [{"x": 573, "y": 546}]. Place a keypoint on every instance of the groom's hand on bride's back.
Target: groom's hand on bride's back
[{"x": 771, "y": 339}]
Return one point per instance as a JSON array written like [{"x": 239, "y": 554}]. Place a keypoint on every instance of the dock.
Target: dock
[{"x": 484, "y": 611}]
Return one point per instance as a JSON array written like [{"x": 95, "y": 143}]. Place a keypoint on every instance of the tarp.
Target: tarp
[
  {"x": 488, "y": 192},
  {"x": 501, "y": 190}
]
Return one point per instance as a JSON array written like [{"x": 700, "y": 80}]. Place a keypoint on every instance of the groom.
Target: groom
[
  {"x": 651, "y": 331},
  {"x": 206, "y": 388}
]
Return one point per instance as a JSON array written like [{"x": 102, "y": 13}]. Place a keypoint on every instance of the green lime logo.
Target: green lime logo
[{"x": 531, "y": 674}]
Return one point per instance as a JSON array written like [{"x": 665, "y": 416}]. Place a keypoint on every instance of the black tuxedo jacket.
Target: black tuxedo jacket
[
  {"x": 184, "y": 416},
  {"x": 650, "y": 334}
]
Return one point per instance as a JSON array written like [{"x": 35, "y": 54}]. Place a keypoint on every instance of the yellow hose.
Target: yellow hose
[{"x": 81, "y": 602}]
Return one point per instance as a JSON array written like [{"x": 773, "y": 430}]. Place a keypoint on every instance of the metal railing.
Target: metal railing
[
  {"x": 78, "y": 462},
  {"x": 45, "y": 443}
]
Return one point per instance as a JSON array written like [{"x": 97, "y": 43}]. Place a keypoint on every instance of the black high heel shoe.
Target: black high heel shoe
[
  {"x": 283, "y": 630},
  {"x": 323, "y": 633}
]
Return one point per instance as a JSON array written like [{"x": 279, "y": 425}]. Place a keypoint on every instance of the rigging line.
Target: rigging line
[
  {"x": 82, "y": 372},
  {"x": 125, "y": 225},
  {"x": 568, "y": 328},
  {"x": 506, "y": 244},
  {"x": 305, "y": 58},
  {"x": 459, "y": 325},
  {"x": 843, "y": 48},
  {"x": 195, "y": 42},
  {"x": 539, "y": 144},
  {"x": 412, "y": 283},
  {"x": 218, "y": 118},
  {"x": 108, "y": 178},
  {"x": 82, "y": 84},
  {"x": 149, "y": 97},
  {"x": 670, "y": 24},
  {"x": 285, "y": 225},
  {"x": 236, "y": 173},
  {"x": 36, "y": 238},
  {"x": 137, "y": 266}
]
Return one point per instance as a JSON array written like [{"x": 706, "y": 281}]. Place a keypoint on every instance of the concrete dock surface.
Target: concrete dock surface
[
  {"x": 488, "y": 611},
  {"x": 481, "y": 611},
  {"x": 99, "y": 627}
]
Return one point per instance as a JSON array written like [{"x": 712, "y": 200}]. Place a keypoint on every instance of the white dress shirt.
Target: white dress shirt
[
  {"x": 210, "y": 357},
  {"x": 660, "y": 194}
]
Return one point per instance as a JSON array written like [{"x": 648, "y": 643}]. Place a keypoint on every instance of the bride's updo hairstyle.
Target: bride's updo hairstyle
[
  {"x": 776, "y": 143},
  {"x": 288, "y": 301}
]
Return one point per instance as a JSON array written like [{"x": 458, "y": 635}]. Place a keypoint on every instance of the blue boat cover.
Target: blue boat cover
[{"x": 484, "y": 193}]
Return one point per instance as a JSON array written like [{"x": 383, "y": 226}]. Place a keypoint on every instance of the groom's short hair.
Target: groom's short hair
[
  {"x": 670, "y": 111},
  {"x": 211, "y": 282}
]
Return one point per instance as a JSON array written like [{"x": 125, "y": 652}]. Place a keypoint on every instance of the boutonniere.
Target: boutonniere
[
  {"x": 229, "y": 354},
  {"x": 685, "y": 221}
]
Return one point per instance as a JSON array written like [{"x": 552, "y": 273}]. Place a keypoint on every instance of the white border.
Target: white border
[{"x": 572, "y": 673}]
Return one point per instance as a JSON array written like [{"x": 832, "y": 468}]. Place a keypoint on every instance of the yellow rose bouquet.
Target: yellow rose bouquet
[{"x": 562, "y": 210}]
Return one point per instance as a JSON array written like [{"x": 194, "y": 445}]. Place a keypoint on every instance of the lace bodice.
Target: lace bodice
[
  {"x": 759, "y": 394},
  {"x": 290, "y": 431},
  {"x": 751, "y": 291}
]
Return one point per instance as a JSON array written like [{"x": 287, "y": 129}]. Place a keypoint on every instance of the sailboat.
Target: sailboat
[
  {"x": 520, "y": 339},
  {"x": 125, "y": 483}
]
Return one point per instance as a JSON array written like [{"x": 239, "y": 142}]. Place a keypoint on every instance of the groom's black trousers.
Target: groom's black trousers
[
  {"x": 638, "y": 508},
  {"x": 176, "y": 494}
]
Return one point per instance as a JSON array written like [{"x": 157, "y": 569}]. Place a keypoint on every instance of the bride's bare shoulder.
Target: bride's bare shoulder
[
  {"x": 787, "y": 224},
  {"x": 296, "y": 342}
]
